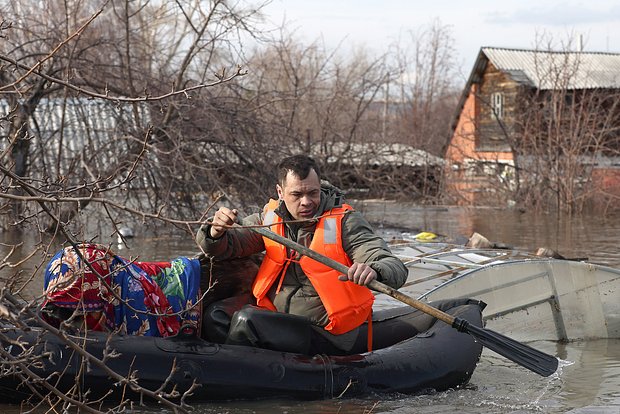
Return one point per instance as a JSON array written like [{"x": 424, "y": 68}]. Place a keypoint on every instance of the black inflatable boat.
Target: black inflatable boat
[{"x": 417, "y": 354}]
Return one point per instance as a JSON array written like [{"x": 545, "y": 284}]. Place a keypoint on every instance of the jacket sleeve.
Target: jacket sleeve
[
  {"x": 363, "y": 245},
  {"x": 234, "y": 243}
]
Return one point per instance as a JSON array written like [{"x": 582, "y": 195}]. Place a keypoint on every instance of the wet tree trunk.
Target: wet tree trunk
[{"x": 20, "y": 138}]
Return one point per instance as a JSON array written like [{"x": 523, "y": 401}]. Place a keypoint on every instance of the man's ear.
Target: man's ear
[{"x": 280, "y": 192}]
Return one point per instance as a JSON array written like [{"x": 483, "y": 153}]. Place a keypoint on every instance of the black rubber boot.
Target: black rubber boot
[{"x": 216, "y": 318}]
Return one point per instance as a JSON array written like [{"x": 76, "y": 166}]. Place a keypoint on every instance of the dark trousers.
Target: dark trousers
[{"x": 236, "y": 322}]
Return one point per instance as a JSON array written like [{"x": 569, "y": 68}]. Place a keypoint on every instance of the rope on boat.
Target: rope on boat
[{"x": 328, "y": 371}]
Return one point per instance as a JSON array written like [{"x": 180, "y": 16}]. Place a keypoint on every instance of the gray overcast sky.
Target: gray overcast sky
[{"x": 474, "y": 23}]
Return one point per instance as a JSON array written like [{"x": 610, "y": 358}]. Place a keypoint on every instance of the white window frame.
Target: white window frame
[{"x": 497, "y": 104}]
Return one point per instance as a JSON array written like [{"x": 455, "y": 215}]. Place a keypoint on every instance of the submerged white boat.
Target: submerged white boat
[{"x": 529, "y": 297}]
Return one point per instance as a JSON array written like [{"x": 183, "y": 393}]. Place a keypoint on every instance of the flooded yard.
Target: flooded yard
[{"x": 589, "y": 381}]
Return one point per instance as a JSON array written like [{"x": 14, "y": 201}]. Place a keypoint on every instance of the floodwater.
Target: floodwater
[{"x": 588, "y": 381}]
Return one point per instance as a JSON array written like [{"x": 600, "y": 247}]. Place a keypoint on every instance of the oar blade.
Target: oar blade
[{"x": 524, "y": 355}]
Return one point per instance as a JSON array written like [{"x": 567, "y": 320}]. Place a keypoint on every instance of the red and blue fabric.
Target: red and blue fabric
[{"x": 116, "y": 294}]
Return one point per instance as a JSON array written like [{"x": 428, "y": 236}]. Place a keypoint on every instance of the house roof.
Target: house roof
[
  {"x": 546, "y": 70},
  {"x": 377, "y": 154}
]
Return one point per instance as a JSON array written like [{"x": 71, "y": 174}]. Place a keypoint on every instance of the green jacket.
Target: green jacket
[{"x": 297, "y": 295}]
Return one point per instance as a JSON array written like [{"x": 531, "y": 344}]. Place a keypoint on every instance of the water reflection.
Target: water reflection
[{"x": 593, "y": 379}]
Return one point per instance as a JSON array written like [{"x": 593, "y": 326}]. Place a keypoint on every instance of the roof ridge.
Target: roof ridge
[{"x": 583, "y": 52}]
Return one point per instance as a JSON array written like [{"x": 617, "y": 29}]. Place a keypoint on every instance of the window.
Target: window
[{"x": 497, "y": 103}]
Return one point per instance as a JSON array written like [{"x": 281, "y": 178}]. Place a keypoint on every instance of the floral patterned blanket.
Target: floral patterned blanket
[{"x": 114, "y": 294}]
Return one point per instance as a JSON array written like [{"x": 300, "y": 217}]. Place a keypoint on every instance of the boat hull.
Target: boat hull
[
  {"x": 438, "y": 358},
  {"x": 528, "y": 297},
  {"x": 544, "y": 299}
]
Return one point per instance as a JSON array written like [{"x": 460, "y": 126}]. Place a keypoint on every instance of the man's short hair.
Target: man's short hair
[{"x": 300, "y": 165}]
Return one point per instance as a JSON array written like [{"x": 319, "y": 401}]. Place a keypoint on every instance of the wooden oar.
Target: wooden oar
[{"x": 524, "y": 355}]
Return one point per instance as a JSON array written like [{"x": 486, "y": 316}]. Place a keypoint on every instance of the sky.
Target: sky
[{"x": 473, "y": 24}]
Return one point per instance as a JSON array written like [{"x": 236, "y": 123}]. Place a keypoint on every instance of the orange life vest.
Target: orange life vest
[{"x": 348, "y": 305}]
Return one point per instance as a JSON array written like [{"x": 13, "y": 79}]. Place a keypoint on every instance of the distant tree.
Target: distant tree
[
  {"x": 423, "y": 88},
  {"x": 140, "y": 61},
  {"x": 307, "y": 99}
]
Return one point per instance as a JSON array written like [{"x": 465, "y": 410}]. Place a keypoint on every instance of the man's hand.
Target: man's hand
[
  {"x": 223, "y": 217},
  {"x": 360, "y": 273}
]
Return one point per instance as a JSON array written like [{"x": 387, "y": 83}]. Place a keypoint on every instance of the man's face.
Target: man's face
[{"x": 301, "y": 197}]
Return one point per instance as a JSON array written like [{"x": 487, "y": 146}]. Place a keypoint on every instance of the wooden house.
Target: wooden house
[{"x": 480, "y": 155}]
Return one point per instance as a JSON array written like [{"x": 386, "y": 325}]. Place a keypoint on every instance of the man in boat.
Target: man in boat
[{"x": 317, "y": 309}]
